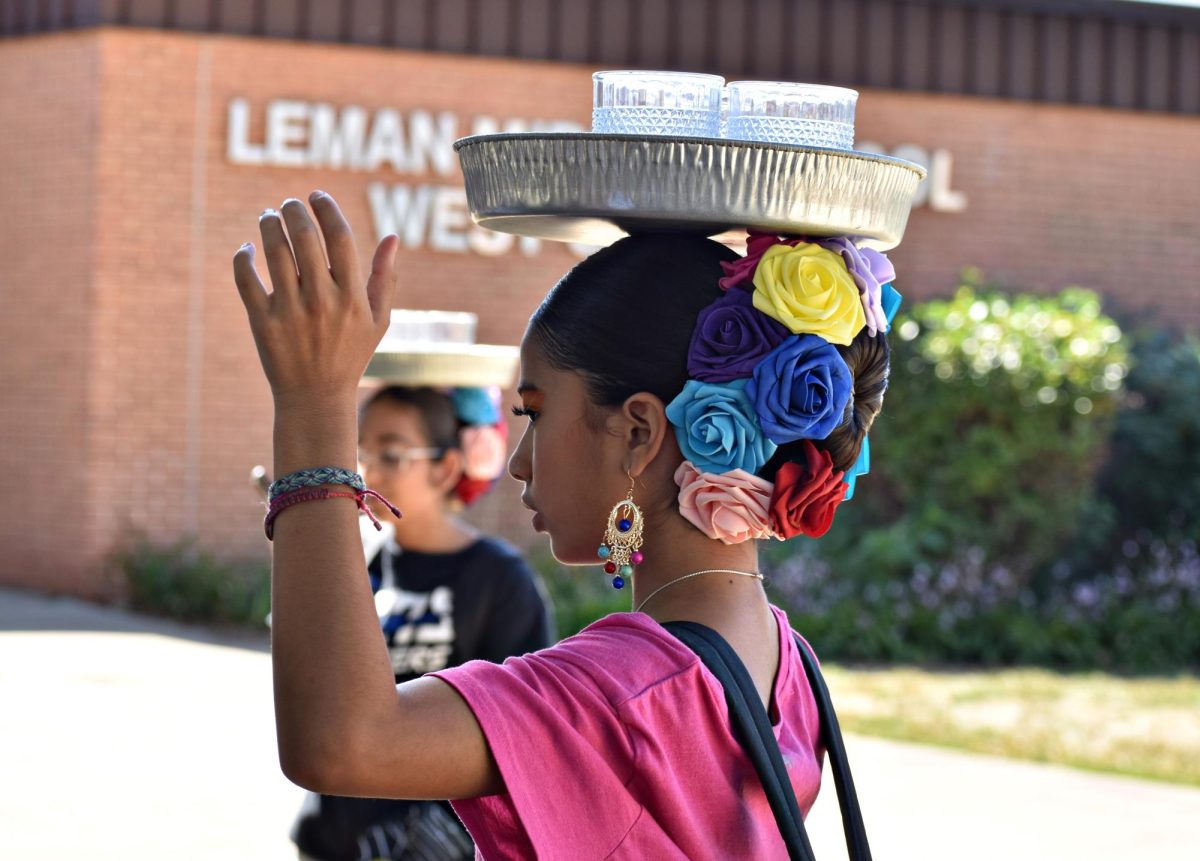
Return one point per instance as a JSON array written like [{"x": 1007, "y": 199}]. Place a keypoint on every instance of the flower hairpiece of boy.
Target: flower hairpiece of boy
[
  {"x": 483, "y": 440},
  {"x": 769, "y": 344}
]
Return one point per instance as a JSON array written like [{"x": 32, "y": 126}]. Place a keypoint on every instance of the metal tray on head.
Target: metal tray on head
[{"x": 596, "y": 188}]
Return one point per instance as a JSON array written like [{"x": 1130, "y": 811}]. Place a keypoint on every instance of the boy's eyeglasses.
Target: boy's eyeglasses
[{"x": 396, "y": 459}]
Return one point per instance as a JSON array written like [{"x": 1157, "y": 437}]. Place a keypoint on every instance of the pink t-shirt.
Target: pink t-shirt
[{"x": 616, "y": 743}]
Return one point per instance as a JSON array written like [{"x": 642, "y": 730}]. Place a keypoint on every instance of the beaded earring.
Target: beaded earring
[{"x": 622, "y": 539}]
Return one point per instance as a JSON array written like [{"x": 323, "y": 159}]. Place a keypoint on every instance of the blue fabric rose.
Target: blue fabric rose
[
  {"x": 717, "y": 429},
  {"x": 800, "y": 390},
  {"x": 475, "y": 406},
  {"x": 731, "y": 337}
]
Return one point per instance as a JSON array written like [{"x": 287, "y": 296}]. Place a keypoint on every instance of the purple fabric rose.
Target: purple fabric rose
[
  {"x": 800, "y": 390},
  {"x": 717, "y": 429},
  {"x": 870, "y": 271},
  {"x": 731, "y": 337}
]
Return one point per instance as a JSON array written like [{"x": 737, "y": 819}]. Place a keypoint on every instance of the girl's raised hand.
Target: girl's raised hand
[{"x": 317, "y": 328}]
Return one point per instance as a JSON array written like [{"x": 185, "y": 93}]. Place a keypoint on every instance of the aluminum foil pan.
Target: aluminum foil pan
[
  {"x": 480, "y": 365},
  {"x": 594, "y": 188}
]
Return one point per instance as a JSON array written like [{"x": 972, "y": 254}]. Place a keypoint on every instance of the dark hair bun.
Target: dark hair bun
[{"x": 867, "y": 356}]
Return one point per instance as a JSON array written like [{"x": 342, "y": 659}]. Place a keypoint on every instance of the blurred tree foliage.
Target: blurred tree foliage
[
  {"x": 1034, "y": 496},
  {"x": 993, "y": 427}
]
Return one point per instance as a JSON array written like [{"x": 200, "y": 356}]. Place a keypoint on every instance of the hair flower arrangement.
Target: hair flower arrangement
[
  {"x": 484, "y": 451},
  {"x": 766, "y": 371},
  {"x": 483, "y": 439},
  {"x": 476, "y": 406},
  {"x": 717, "y": 429},
  {"x": 730, "y": 339},
  {"x": 809, "y": 290},
  {"x": 731, "y": 507},
  {"x": 806, "y": 495},
  {"x": 740, "y": 272},
  {"x": 800, "y": 390},
  {"x": 870, "y": 270}
]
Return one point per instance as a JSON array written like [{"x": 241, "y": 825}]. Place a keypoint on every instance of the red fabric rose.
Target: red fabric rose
[
  {"x": 806, "y": 495},
  {"x": 741, "y": 271}
]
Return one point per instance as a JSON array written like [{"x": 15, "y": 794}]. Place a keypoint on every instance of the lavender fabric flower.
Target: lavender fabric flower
[
  {"x": 800, "y": 390},
  {"x": 731, "y": 337},
  {"x": 717, "y": 429},
  {"x": 870, "y": 271}
]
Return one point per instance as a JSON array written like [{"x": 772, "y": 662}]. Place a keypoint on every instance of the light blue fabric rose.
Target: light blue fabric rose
[
  {"x": 475, "y": 406},
  {"x": 861, "y": 467},
  {"x": 800, "y": 389},
  {"x": 890, "y": 299},
  {"x": 717, "y": 429}
]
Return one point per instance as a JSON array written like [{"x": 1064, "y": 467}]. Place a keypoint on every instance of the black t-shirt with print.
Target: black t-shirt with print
[
  {"x": 440, "y": 610},
  {"x": 436, "y": 610}
]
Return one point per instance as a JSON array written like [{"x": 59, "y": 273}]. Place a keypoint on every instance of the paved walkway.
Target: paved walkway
[{"x": 129, "y": 738}]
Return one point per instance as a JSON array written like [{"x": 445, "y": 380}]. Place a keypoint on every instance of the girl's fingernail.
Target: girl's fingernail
[
  {"x": 317, "y": 194},
  {"x": 267, "y": 213}
]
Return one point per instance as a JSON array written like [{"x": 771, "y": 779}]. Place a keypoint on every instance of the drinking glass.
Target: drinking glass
[
  {"x": 799, "y": 114},
  {"x": 656, "y": 103}
]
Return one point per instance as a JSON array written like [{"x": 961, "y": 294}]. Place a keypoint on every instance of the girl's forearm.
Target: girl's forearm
[{"x": 331, "y": 669}]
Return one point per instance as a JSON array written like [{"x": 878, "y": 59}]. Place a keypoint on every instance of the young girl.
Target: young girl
[{"x": 615, "y": 742}]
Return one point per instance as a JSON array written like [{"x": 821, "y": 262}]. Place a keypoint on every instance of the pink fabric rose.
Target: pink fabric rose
[
  {"x": 484, "y": 452},
  {"x": 731, "y": 507}
]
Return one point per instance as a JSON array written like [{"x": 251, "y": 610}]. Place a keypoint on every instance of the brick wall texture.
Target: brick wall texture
[{"x": 132, "y": 401}]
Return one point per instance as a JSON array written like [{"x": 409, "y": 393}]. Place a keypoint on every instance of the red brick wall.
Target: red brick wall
[
  {"x": 131, "y": 390},
  {"x": 49, "y": 117},
  {"x": 1056, "y": 196}
]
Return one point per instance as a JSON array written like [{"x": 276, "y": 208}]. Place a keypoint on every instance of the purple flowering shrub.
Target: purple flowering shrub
[{"x": 1141, "y": 615}]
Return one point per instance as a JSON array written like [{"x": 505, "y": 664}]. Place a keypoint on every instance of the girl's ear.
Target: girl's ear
[{"x": 642, "y": 425}]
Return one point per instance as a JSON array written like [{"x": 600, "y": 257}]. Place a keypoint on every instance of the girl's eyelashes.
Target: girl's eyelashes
[{"x": 525, "y": 411}]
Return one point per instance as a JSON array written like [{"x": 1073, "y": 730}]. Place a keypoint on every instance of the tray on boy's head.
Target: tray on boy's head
[
  {"x": 596, "y": 188},
  {"x": 479, "y": 365}
]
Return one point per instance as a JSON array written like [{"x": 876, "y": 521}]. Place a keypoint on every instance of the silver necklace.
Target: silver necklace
[{"x": 646, "y": 601}]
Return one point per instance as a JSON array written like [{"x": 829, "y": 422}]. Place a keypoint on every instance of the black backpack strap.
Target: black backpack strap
[
  {"x": 831, "y": 735},
  {"x": 752, "y": 728}
]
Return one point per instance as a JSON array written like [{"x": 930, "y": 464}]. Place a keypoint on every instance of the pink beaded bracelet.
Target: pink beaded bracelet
[{"x": 307, "y": 494}]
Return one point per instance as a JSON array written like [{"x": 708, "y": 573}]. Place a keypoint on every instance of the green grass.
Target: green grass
[{"x": 1143, "y": 727}]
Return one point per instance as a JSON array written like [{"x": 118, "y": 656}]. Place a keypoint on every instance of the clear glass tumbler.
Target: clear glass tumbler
[
  {"x": 656, "y": 103},
  {"x": 799, "y": 114}
]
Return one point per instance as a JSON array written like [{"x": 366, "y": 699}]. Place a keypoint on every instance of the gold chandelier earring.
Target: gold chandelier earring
[{"x": 621, "y": 549}]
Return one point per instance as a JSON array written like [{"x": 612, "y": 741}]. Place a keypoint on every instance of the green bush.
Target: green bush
[
  {"x": 1152, "y": 477},
  {"x": 994, "y": 424},
  {"x": 187, "y": 583},
  {"x": 1034, "y": 497}
]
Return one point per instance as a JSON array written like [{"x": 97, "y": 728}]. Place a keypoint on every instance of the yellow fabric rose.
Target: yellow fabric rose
[{"x": 808, "y": 289}]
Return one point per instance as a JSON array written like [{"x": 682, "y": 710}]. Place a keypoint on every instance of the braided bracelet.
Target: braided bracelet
[
  {"x": 309, "y": 494},
  {"x": 315, "y": 478}
]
